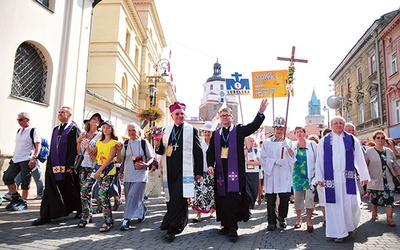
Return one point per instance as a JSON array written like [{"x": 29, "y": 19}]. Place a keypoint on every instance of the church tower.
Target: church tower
[
  {"x": 214, "y": 95},
  {"x": 314, "y": 111}
]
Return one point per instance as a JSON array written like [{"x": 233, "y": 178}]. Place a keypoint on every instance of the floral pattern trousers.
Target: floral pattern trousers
[
  {"x": 87, "y": 182},
  {"x": 104, "y": 199}
]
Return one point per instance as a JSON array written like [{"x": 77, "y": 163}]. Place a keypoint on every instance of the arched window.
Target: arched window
[
  {"x": 30, "y": 73},
  {"x": 211, "y": 87}
]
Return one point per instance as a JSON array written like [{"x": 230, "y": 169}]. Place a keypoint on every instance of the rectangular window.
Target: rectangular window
[
  {"x": 396, "y": 111},
  {"x": 349, "y": 115},
  {"x": 374, "y": 107},
  {"x": 359, "y": 76},
  {"x": 393, "y": 63},
  {"x": 372, "y": 64},
  {"x": 348, "y": 85},
  {"x": 341, "y": 89},
  {"x": 127, "y": 42},
  {"x": 361, "y": 113}
]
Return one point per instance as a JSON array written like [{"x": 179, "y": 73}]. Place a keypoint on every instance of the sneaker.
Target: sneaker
[
  {"x": 125, "y": 225},
  {"x": 144, "y": 215},
  {"x": 20, "y": 207},
  {"x": 15, "y": 201},
  {"x": 282, "y": 223}
]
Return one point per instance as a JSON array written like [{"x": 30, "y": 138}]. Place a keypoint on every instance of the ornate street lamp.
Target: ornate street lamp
[{"x": 162, "y": 65}]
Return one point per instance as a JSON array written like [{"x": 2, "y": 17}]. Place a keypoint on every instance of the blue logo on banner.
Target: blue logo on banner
[{"x": 237, "y": 86}]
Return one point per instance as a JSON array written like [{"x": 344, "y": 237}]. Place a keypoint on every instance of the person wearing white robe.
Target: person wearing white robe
[{"x": 343, "y": 216}]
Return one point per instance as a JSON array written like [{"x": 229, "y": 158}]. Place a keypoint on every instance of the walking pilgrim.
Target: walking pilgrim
[
  {"x": 339, "y": 157},
  {"x": 182, "y": 158}
]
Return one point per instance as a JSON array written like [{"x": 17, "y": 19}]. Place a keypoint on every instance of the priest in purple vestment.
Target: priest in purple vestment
[
  {"x": 61, "y": 193},
  {"x": 339, "y": 158},
  {"x": 225, "y": 158}
]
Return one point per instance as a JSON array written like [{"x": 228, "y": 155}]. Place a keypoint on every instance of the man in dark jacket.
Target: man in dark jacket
[
  {"x": 225, "y": 158},
  {"x": 61, "y": 194}
]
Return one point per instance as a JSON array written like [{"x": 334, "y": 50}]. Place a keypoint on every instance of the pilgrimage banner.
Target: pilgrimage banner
[{"x": 268, "y": 83}]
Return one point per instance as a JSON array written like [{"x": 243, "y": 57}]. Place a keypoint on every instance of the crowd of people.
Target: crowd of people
[{"x": 226, "y": 172}]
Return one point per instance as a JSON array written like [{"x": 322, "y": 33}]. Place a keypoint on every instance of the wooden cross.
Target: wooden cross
[{"x": 292, "y": 60}]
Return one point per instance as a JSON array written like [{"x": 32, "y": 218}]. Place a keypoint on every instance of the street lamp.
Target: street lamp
[
  {"x": 163, "y": 65},
  {"x": 320, "y": 128}
]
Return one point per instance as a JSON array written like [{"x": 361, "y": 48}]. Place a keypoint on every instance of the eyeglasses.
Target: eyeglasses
[
  {"x": 21, "y": 119},
  {"x": 225, "y": 116},
  {"x": 62, "y": 112},
  {"x": 338, "y": 123},
  {"x": 380, "y": 138}
]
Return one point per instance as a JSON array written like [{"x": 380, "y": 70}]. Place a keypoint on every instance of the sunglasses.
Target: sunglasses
[
  {"x": 21, "y": 119},
  {"x": 380, "y": 138}
]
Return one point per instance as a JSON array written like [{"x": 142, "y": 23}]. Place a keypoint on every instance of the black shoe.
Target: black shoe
[
  {"x": 224, "y": 231},
  {"x": 144, "y": 215},
  {"x": 40, "y": 221},
  {"x": 233, "y": 236},
  {"x": 169, "y": 237},
  {"x": 116, "y": 205},
  {"x": 125, "y": 225},
  {"x": 282, "y": 223},
  {"x": 271, "y": 227}
]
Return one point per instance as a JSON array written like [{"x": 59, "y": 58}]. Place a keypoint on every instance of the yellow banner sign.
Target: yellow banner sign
[{"x": 268, "y": 83}]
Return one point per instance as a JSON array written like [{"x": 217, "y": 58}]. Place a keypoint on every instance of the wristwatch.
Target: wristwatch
[{"x": 35, "y": 157}]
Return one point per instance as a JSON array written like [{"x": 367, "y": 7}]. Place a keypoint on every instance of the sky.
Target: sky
[{"x": 248, "y": 36}]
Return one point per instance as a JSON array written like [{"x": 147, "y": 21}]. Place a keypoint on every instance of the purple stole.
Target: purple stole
[
  {"x": 233, "y": 174},
  {"x": 59, "y": 153},
  {"x": 350, "y": 173}
]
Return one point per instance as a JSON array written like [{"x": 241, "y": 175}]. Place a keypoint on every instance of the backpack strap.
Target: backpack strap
[
  {"x": 143, "y": 143},
  {"x": 31, "y": 134}
]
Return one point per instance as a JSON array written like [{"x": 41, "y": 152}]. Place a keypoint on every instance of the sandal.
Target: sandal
[
  {"x": 106, "y": 226},
  {"x": 297, "y": 225},
  {"x": 82, "y": 223}
]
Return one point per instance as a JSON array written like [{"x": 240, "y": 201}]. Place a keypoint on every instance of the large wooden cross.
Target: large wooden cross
[{"x": 292, "y": 60}]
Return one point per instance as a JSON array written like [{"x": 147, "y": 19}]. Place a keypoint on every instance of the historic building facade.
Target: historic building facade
[
  {"x": 360, "y": 79},
  {"x": 44, "y": 55},
  {"x": 390, "y": 37}
]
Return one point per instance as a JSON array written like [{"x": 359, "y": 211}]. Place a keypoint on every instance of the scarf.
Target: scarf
[
  {"x": 233, "y": 174},
  {"x": 187, "y": 161},
  {"x": 58, "y": 152},
  {"x": 350, "y": 174}
]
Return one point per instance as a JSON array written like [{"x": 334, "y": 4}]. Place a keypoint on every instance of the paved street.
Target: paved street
[{"x": 16, "y": 232}]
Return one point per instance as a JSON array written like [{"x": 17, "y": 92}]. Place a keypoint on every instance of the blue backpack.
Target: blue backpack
[{"x": 44, "y": 150}]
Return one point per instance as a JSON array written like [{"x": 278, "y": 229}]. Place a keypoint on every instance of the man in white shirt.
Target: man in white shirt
[{"x": 24, "y": 160}]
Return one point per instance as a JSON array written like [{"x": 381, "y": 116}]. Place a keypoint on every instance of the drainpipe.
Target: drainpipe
[{"x": 379, "y": 80}]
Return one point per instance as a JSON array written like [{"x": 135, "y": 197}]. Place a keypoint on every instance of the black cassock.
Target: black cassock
[
  {"x": 176, "y": 217},
  {"x": 233, "y": 207},
  {"x": 61, "y": 197}
]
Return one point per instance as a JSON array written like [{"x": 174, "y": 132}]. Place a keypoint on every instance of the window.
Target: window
[
  {"x": 221, "y": 87},
  {"x": 393, "y": 63},
  {"x": 211, "y": 87},
  {"x": 374, "y": 107},
  {"x": 396, "y": 112},
  {"x": 30, "y": 73},
  {"x": 44, "y": 2},
  {"x": 361, "y": 113},
  {"x": 359, "y": 75},
  {"x": 127, "y": 42},
  {"x": 349, "y": 114},
  {"x": 348, "y": 85},
  {"x": 372, "y": 64},
  {"x": 341, "y": 89}
]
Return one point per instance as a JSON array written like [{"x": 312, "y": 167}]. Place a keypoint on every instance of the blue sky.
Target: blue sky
[{"x": 248, "y": 36}]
